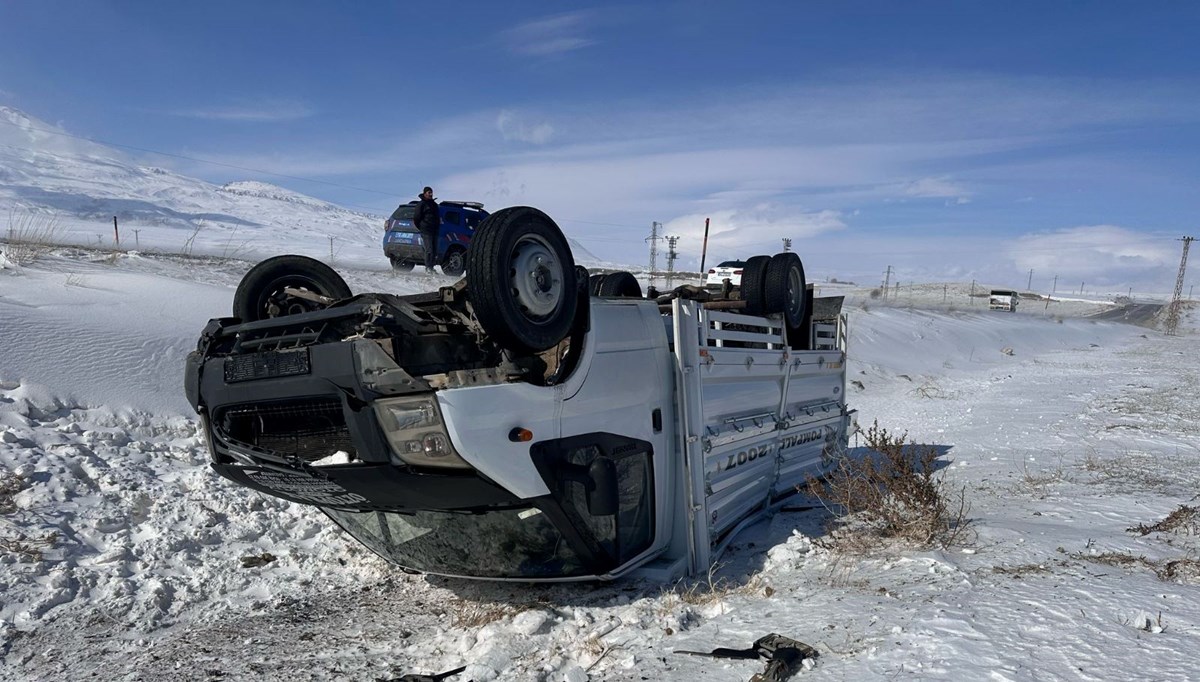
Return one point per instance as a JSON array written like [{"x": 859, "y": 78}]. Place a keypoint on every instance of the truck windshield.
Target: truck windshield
[{"x": 509, "y": 543}]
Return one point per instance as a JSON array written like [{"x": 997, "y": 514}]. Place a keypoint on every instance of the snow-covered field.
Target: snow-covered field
[{"x": 122, "y": 556}]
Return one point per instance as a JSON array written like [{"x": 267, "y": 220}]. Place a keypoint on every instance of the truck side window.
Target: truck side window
[{"x": 452, "y": 217}]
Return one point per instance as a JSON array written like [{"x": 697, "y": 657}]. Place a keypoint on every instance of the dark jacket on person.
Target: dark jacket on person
[{"x": 426, "y": 218}]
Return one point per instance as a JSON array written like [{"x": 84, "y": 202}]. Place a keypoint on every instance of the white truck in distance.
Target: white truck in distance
[
  {"x": 1003, "y": 299},
  {"x": 513, "y": 427}
]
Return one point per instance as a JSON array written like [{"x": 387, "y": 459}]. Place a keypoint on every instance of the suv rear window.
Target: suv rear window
[
  {"x": 404, "y": 212},
  {"x": 732, "y": 264}
]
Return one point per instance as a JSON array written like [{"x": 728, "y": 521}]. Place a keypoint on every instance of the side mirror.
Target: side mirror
[{"x": 602, "y": 498}]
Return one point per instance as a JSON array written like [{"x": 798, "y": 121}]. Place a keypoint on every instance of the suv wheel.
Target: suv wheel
[
  {"x": 454, "y": 264},
  {"x": 401, "y": 265}
]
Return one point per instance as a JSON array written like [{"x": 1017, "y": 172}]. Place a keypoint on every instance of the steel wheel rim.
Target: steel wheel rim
[
  {"x": 794, "y": 287},
  {"x": 276, "y": 302},
  {"x": 536, "y": 277}
]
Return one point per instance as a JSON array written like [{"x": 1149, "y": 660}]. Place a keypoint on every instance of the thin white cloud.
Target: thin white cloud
[
  {"x": 745, "y": 231},
  {"x": 262, "y": 111},
  {"x": 550, "y": 35},
  {"x": 938, "y": 188},
  {"x": 513, "y": 127},
  {"x": 1101, "y": 254}
]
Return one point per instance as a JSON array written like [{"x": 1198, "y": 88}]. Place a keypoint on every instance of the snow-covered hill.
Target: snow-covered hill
[
  {"x": 81, "y": 186},
  {"x": 50, "y": 180}
]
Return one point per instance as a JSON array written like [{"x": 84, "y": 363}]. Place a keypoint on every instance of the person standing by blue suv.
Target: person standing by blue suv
[
  {"x": 409, "y": 232},
  {"x": 427, "y": 220}
]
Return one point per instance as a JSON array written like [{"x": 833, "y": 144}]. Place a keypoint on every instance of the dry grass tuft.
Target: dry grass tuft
[
  {"x": 10, "y": 485},
  {"x": 1185, "y": 519},
  {"x": 1021, "y": 571},
  {"x": 1184, "y": 570},
  {"x": 894, "y": 493},
  {"x": 474, "y": 615},
  {"x": 30, "y": 236},
  {"x": 28, "y": 549}
]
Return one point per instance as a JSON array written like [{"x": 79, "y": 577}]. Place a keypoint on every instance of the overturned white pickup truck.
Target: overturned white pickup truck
[{"x": 513, "y": 426}]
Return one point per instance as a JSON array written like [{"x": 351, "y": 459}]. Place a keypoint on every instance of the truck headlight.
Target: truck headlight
[{"x": 415, "y": 430}]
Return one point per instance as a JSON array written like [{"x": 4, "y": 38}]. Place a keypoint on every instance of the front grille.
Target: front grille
[{"x": 308, "y": 429}]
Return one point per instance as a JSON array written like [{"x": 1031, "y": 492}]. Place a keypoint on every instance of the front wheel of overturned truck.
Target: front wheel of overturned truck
[
  {"x": 521, "y": 279},
  {"x": 263, "y": 292}
]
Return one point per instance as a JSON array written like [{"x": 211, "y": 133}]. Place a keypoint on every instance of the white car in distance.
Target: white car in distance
[{"x": 727, "y": 270}]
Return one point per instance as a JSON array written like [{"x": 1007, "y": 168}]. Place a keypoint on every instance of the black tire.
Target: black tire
[
  {"x": 260, "y": 294},
  {"x": 754, "y": 284},
  {"x": 521, "y": 279},
  {"x": 455, "y": 263},
  {"x": 620, "y": 285},
  {"x": 401, "y": 265},
  {"x": 785, "y": 287},
  {"x": 594, "y": 283}
]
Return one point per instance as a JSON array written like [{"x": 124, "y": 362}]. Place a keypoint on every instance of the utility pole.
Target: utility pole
[
  {"x": 671, "y": 256},
  {"x": 653, "y": 239},
  {"x": 1029, "y": 286},
  {"x": 972, "y": 300},
  {"x": 787, "y": 244},
  {"x": 1176, "y": 303},
  {"x": 1055, "y": 287},
  {"x": 887, "y": 281}
]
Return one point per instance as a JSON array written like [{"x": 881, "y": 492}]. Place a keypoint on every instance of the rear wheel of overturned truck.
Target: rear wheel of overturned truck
[
  {"x": 785, "y": 287},
  {"x": 620, "y": 285},
  {"x": 594, "y": 282},
  {"x": 263, "y": 294},
  {"x": 521, "y": 279},
  {"x": 754, "y": 284}
]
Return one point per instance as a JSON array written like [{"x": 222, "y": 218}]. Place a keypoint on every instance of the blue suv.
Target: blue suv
[{"x": 403, "y": 244}]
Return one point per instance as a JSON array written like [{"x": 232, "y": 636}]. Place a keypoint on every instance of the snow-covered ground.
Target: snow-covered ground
[{"x": 122, "y": 556}]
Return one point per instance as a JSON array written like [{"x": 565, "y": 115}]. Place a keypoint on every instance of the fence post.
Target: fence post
[{"x": 116, "y": 232}]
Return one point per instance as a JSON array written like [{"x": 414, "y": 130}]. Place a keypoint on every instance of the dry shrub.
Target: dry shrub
[
  {"x": 26, "y": 548},
  {"x": 1183, "y": 570},
  {"x": 10, "y": 485},
  {"x": 893, "y": 493},
  {"x": 1184, "y": 519},
  {"x": 473, "y": 615},
  {"x": 30, "y": 236}
]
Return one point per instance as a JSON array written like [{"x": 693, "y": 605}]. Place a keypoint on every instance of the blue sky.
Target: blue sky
[{"x": 951, "y": 140}]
